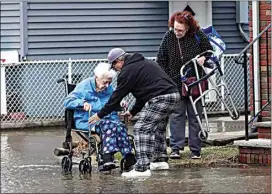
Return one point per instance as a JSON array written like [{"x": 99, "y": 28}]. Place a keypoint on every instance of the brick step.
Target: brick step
[
  {"x": 254, "y": 151},
  {"x": 264, "y": 129},
  {"x": 249, "y": 155},
  {"x": 264, "y": 133}
]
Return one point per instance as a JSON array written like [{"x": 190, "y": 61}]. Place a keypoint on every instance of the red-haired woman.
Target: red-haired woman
[{"x": 178, "y": 46}]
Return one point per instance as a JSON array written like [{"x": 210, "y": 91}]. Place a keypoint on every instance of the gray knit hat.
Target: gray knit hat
[{"x": 115, "y": 54}]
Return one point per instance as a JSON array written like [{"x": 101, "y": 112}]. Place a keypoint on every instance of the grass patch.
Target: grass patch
[{"x": 210, "y": 156}]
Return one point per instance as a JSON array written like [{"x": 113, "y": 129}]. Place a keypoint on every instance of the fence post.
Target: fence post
[
  {"x": 222, "y": 81},
  {"x": 70, "y": 71}
]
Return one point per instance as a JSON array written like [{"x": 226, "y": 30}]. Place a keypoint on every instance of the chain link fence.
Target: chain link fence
[
  {"x": 234, "y": 79},
  {"x": 33, "y": 94}
]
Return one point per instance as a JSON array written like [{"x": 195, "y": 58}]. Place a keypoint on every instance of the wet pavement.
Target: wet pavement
[{"x": 28, "y": 165}]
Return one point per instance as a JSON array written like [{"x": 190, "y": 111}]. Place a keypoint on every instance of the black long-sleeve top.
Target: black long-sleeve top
[
  {"x": 144, "y": 79},
  {"x": 171, "y": 59}
]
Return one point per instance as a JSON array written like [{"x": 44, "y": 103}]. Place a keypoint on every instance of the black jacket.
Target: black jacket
[{"x": 143, "y": 78}]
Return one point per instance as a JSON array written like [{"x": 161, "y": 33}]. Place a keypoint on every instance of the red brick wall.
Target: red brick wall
[
  {"x": 264, "y": 20},
  {"x": 255, "y": 155},
  {"x": 264, "y": 133}
]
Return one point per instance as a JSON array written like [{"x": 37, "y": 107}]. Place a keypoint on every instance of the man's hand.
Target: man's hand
[
  {"x": 93, "y": 119},
  {"x": 124, "y": 104},
  {"x": 201, "y": 60},
  {"x": 127, "y": 113},
  {"x": 86, "y": 106}
]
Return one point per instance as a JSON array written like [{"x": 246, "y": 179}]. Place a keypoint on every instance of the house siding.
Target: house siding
[
  {"x": 10, "y": 26},
  {"x": 80, "y": 30},
  {"x": 224, "y": 21}
]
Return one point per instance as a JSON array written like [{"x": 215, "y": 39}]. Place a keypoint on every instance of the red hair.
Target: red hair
[{"x": 184, "y": 17}]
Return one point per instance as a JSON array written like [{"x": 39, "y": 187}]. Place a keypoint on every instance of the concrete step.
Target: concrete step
[
  {"x": 263, "y": 143},
  {"x": 264, "y": 124}
]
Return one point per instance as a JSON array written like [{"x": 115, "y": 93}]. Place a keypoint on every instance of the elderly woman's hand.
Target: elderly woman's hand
[
  {"x": 201, "y": 60},
  {"x": 86, "y": 106},
  {"x": 127, "y": 113},
  {"x": 93, "y": 119}
]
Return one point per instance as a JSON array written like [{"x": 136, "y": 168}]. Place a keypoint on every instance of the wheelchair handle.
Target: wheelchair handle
[
  {"x": 61, "y": 80},
  {"x": 193, "y": 60},
  {"x": 90, "y": 111}
]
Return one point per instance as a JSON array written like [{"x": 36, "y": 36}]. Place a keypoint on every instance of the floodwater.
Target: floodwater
[{"x": 29, "y": 165}]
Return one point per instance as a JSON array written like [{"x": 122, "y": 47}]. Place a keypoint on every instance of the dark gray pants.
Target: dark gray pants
[{"x": 177, "y": 126}]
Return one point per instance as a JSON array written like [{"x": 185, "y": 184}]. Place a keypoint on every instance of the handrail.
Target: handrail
[
  {"x": 244, "y": 63},
  {"x": 249, "y": 45}
]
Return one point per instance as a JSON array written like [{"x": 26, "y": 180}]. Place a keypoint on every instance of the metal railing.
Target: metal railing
[
  {"x": 33, "y": 95},
  {"x": 244, "y": 63}
]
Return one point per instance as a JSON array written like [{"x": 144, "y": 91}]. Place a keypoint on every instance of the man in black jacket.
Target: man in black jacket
[{"x": 156, "y": 97}]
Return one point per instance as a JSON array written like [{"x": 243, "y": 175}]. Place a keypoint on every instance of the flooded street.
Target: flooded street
[{"x": 28, "y": 165}]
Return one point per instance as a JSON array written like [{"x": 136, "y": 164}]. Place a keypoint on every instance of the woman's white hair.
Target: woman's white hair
[{"x": 103, "y": 70}]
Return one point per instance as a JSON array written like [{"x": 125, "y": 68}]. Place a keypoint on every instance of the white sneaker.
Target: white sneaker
[
  {"x": 134, "y": 173},
  {"x": 159, "y": 166}
]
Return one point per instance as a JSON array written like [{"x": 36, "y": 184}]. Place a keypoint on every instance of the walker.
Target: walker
[{"x": 215, "y": 67}]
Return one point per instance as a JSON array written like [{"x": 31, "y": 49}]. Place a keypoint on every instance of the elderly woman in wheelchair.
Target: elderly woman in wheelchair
[{"x": 88, "y": 97}]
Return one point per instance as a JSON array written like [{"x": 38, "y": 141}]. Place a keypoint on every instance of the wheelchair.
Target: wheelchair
[{"x": 85, "y": 164}]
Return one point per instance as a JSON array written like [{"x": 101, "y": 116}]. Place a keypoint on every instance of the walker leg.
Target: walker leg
[{"x": 202, "y": 131}]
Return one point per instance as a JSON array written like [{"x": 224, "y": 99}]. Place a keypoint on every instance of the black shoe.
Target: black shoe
[
  {"x": 175, "y": 154},
  {"x": 107, "y": 166},
  {"x": 130, "y": 160},
  {"x": 195, "y": 155},
  {"x": 107, "y": 163}
]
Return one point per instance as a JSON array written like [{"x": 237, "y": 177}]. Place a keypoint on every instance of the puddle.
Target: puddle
[{"x": 28, "y": 165}]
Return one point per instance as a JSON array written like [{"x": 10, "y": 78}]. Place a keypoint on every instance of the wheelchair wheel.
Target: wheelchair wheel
[
  {"x": 202, "y": 137},
  {"x": 235, "y": 116},
  {"x": 66, "y": 164},
  {"x": 85, "y": 166}
]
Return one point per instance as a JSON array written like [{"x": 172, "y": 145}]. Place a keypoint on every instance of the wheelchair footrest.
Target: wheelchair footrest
[
  {"x": 61, "y": 151},
  {"x": 107, "y": 166}
]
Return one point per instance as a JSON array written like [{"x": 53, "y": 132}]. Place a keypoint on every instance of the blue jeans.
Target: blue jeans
[{"x": 177, "y": 126}]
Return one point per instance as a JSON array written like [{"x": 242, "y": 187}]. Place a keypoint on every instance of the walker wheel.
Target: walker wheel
[
  {"x": 235, "y": 116},
  {"x": 85, "y": 166},
  {"x": 66, "y": 164},
  {"x": 203, "y": 137}
]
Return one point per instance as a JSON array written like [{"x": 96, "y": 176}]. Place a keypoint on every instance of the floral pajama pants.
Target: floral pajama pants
[{"x": 114, "y": 137}]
